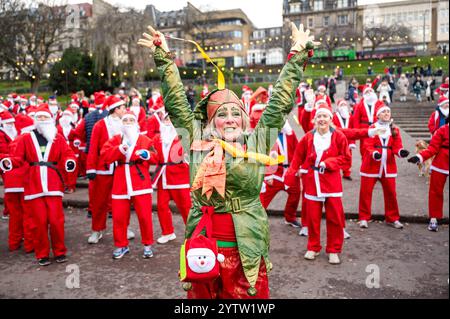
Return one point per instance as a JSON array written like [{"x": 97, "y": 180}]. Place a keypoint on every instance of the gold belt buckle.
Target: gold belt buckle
[{"x": 236, "y": 204}]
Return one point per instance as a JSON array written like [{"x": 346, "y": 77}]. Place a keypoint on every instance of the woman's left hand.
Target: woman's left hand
[{"x": 300, "y": 38}]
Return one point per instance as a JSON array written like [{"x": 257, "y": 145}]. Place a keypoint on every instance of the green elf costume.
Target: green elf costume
[{"x": 229, "y": 176}]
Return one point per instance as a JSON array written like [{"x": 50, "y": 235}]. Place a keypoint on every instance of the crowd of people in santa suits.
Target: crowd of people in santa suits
[{"x": 113, "y": 140}]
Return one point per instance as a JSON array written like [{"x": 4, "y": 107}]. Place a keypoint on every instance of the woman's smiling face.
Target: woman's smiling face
[{"x": 228, "y": 122}]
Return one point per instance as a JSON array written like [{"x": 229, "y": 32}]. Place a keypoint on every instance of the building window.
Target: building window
[
  {"x": 294, "y": 8},
  {"x": 310, "y": 22},
  {"x": 342, "y": 3},
  {"x": 326, "y": 21},
  {"x": 236, "y": 34},
  {"x": 237, "y": 47},
  {"x": 318, "y": 5},
  {"x": 342, "y": 19}
]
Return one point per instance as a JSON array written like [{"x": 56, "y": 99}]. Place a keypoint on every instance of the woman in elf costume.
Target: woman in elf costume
[{"x": 227, "y": 166}]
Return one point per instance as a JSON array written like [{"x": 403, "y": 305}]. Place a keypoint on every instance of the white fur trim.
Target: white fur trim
[
  {"x": 381, "y": 109},
  {"x": 440, "y": 170},
  {"x": 323, "y": 110},
  {"x": 133, "y": 116},
  {"x": 443, "y": 102},
  {"x": 11, "y": 120},
  {"x": 119, "y": 103},
  {"x": 122, "y": 150},
  {"x": 420, "y": 158},
  {"x": 14, "y": 190}
]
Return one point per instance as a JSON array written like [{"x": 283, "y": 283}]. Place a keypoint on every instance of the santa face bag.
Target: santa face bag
[{"x": 199, "y": 259}]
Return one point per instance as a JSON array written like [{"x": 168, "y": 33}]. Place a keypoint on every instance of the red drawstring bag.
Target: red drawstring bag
[{"x": 199, "y": 255}]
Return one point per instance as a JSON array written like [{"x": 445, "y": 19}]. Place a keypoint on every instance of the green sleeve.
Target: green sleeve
[
  {"x": 280, "y": 105},
  {"x": 175, "y": 100}
]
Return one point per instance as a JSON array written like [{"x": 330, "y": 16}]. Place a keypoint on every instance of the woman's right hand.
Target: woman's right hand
[{"x": 153, "y": 39}]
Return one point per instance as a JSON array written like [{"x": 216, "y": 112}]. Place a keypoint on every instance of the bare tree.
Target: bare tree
[
  {"x": 380, "y": 34},
  {"x": 29, "y": 35},
  {"x": 336, "y": 37}
]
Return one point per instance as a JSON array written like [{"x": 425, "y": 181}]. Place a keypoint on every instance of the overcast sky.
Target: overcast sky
[{"x": 263, "y": 13}]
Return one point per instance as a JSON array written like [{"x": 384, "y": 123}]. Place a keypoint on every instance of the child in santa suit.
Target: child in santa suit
[
  {"x": 438, "y": 117},
  {"x": 171, "y": 178},
  {"x": 364, "y": 113},
  {"x": 274, "y": 179},
  {"x": 343, "y": 119},
  {"x": 42, "y": 149},
  {"x": 321, "y": 154},
  {"x": 152, "y": 122},
  {"x": 132, "y": 184},
  {"x": 20, "y": 222},
  {"x": 439, "y": 173},
  {"x": 97, "y": 170},
  {"x": 65, "y": 126},
  {"x": 379, "y": 165}
]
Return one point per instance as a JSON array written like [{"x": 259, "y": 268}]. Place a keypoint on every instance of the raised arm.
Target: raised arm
[{"x": 175, "y": 100}]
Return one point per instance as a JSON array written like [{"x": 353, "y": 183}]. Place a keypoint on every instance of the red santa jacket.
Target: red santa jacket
[
  {"x": 13, "y": 180},
  {"x": 438, "y": 147},
  {"x": 433, "y": 122},
  {"x": 339, "y": 122},
  {"x": 41, "y": 180},
  {"x": 319, "y": 183},
  {"x": 131, "y": 176},
  {"x": 5, "y": 140},
  {"x": 172, "y": 168},
  {"x": 362, "y": 116},
  {"x": 388, "y": 148},
  {"x": 95, "y": 163},
  {"x": 284, "y": 146}
]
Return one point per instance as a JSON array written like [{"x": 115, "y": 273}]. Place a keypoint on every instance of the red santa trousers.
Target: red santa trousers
[
  {"x": 20, "y": 222},
  {"x": 436, "y": 194},
  {"x": 293, "y": 199},
  {"x": 392, "y": 212},
  {"x": 81, "y": 163},
  {"x": 47, "y": 211},
  {"x": 181, "y": 197},
  {"x": 335, "y": 221},
  {"x": 101, "y": 201},
  {"x": 232, "y": 283},
  {"x": 70, "y": 179},
  {"x": 121, "y": 219},
  {"x": 303, "y": 212}
]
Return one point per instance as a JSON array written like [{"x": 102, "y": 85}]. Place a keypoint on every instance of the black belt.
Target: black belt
[
  {"x": 160, "y": 166},
  {"x": 385, "y": 147},
  {"x": 320, "y": 169},
  {"x": 444, "y": 146},
  {"x": 134, "y": 163},
  {"x": 364, "y": 122},
  {"x": 52, "y": 166}
]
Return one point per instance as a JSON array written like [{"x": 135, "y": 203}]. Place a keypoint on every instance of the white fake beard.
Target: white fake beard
[
  {"x": 10, "y": 130},
  {"x": 370, "y": 98},
  {"x": 65, "y": 124},
  {"x": 130, "y": 133},
  {"x": 135, "y": 109},
  {"x": 167, "y": 132},
  {"x": 343, "y": 112},
  {"x": 47, "y": 129},
  {"x": 444, "y": 111},
  {"x": 53, "y": 109},
  {"x": 116, "y": 125}
]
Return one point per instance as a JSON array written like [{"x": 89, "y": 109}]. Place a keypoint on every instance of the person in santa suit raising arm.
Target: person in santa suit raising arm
[
  {"x": 321, "y": 154},
  {"x": 439, "y": 173},
  {"x": 379, "y": 165},
  {"x": 42, "y": 149},
  {"x": 131, "y": 185}
]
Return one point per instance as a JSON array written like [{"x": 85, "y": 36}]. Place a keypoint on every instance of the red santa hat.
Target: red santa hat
[
  {"x": 99, "y": 99},
  {"x": 136, "y": 98},
  {"x": 31, "y": 111},
  {"x": 319, "y": 102},
  {"x": 380, "y": 107},
  {"x": 74, "y": 97},
  {"x": 74, "y": 106},
  {"x": 245, "y": 88},
  {"x": 84, "y": 103},
  {"x": 367, "y": 88},
  {"x": 323, "y": 108},
  {"x": 129, "y": 114},
  {"x": 33, "y": 97},
  {"x": 442, "y": 101},
  {"x": 322, "y": 88},
  {"x": 40, "y": 99},
  {"x": 113, "y": 101},
  {"x": 23, "y": 98},
  {"x": 443, "y": 87},
  {"x": 5, "y": 105},
  {"x": 69, "y": 111},
  {"x": 24, "y": 123},
  {"x": 6, "y": 117},
  {"x": 43, "y": 110},
  {"x": 15, "y": 97},
  {"x": 341, "y": 102}
]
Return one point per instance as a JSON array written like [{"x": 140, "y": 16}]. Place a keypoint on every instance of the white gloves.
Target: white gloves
[
  {"x": 300, "y": 38},
  {"x": 376, "y": 131},
  {"x": 310, "y": 98},
  {"x": 154, "y": 39},
  {"x": 352, "y": 146}
]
